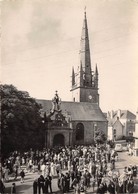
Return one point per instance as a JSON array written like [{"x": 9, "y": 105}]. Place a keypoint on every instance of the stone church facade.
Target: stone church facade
[{"x": 74, "y": 122}]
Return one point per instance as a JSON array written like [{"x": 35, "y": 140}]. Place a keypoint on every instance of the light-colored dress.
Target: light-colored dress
[
  {"x": 43, "y": 167},
  {"x": 6, "y": 174},
  {"x": 53, "y": 169}
]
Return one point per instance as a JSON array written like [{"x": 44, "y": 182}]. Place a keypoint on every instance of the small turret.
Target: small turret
[
  {"x": 96, "y": 77},
  {"x": 73, "y": 77}
]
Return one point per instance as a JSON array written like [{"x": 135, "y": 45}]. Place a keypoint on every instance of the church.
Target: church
[{"x": 75, "y": 122}]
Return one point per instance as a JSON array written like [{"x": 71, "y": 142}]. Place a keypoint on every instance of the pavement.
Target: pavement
[{"x": 26, "y": 187}]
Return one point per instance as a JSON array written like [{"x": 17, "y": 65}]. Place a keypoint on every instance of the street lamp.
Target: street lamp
[
  {"x": 95, "y": 129},
  {"x": 45, "y": 128}
]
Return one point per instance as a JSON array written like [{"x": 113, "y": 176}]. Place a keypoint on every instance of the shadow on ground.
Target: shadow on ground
[{"x": 19, "y": 188}]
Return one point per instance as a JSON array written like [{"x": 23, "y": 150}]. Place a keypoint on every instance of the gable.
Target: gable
[{"x": 117, "y": 124}]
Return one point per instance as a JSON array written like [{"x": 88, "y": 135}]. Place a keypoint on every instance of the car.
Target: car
[
  {"x": 118, "y": 148},
  {"x": 125, "y": 148}
]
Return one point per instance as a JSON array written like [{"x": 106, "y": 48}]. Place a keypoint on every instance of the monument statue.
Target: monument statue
[{"x": 56, "y": 102}]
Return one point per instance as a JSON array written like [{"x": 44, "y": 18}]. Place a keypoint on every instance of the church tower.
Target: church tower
[{"x": 85, "y": 81}]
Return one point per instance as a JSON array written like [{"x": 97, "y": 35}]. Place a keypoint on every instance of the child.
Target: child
[
  {"x": 13, "y": 188},
  {"x": 22, "y": 174}
]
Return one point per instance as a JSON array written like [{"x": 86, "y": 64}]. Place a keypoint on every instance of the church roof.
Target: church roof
[{"x": 79, "y": 111}]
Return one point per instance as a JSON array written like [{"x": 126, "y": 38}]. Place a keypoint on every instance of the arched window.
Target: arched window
[{"x": 80, "y": 132}]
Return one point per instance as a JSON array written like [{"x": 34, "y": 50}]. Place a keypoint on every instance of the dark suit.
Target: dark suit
[
  {"x": 111, "y": 188},
  {"x": 119, "y": 188},
  {"x": 41, "y": 181},
  {"x": 49, "y": 182}
]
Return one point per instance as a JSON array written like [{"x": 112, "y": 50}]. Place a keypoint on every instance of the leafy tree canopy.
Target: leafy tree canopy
[
  {"x": 20, "y": 120},
  {"x": 100, "y": 137}
]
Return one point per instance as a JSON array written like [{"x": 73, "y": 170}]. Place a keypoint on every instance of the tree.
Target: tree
[
  {"x": 100, "y": 137},
  {"x": 20, "y": 120}
]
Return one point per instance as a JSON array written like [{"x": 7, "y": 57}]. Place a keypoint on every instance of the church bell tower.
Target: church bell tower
[{"x": 85, "y": 81}]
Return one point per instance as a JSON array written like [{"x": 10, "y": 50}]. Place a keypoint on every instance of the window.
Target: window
[{"x": 114, "y": 132}]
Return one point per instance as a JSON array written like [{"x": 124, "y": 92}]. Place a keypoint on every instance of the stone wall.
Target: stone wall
[{"x": 89, "y": 130}]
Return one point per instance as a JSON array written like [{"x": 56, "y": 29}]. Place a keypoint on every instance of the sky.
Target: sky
[{"x": 41, "y": 43}]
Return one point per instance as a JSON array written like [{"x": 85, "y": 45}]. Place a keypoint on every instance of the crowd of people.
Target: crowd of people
[{"x": 77, "y": 169}]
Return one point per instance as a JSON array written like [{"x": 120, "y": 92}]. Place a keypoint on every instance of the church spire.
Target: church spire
[
  {"x": 85, "y": 59},
  {"x": 85, "y": 88},
  {"x": 81, "y": 75}
]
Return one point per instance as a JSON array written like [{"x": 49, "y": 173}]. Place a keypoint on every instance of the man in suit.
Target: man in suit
[
  {"x": 41, "y": 181},
  {"x": 49, "y": 178},
  {"x": 111, "y": 187}
]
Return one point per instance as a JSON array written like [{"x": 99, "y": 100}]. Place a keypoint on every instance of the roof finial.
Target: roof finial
[{"x": 85, "y": 11}]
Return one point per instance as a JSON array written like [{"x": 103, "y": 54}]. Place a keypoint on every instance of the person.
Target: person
[
  {"x": 77, "y": 188},
  {"x": 7, "y": 171},
  {"x": 119, "y": 187},
  {"x": 93, "y": 180},
  {"x": 109, "y": 156},
  {"x": 15, "y": 171},
  {"x": 100, "y": 189},
  {"x": 113, "y": 162},
  {"x": 124, "y": 180},
  {"x": 82, "y": 187},
  {"x": 93, "y": 169},
  {"x": 88, "y": 177},
  {"x": 47, "y": 169},
  {"x": 104, "y": 185},
  {"x": 129, "y": 171},
  {"x": 63, "y": 183},
  {"x": 13, "y": 188},
  {"x": 52, "y": 170},
  {"x": 41, "y": 181},
  {"x": 134, "y": 171},
  {"x": 46, "y": 185},
  {"x": 22, "y": 174},
  {"x": 74, "y": 183},
  {"x": 2, "y": 187},
  {"x": 67, "y": 182},
  {"x": 130, "y": 186},
  {"x": 111, "y": 187},
  {"x": 99, "y": 178},
  {"x": 49, "y": 178},
  {"x": 58, "y": 168},
  {"x": 104, "y": 168},
  {"x": 35, "y": 184},
  {"x": 43, "y": 169},
  {"x": 30, "y": 164}
]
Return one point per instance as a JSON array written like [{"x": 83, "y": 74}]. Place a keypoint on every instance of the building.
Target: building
[
  {"x": 120, "y": 123},
  {"x": 136, "y": 131},
  {"x": 75, "y": 122}
]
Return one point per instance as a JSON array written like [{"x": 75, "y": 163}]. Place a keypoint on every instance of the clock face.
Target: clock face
[{"x": 90, "y": 97}]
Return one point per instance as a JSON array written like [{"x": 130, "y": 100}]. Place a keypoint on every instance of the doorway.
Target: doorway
[{"x": 59, "y": 140}]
